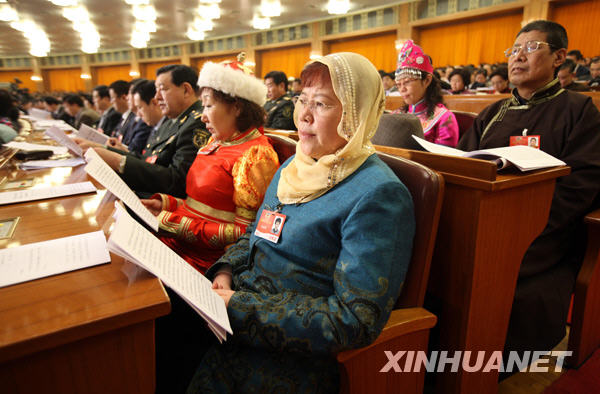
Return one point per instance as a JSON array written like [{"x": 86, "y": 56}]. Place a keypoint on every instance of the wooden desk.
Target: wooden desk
[
  {"x": 90, "y": 330},
  {"x": 487, "y": 223}
]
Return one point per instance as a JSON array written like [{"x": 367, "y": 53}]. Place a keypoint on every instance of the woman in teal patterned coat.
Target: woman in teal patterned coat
[{"x": 329, "y": 282}]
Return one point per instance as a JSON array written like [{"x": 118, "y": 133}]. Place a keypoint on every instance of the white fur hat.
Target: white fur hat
[{"x": 231, "y": 79}]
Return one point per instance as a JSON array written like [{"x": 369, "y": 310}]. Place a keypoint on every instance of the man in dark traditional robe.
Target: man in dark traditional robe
[{"x": 568, "y": 126}]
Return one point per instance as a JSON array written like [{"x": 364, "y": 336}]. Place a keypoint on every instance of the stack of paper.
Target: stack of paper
[
  {"x": 26, "y": 146},
  {"x": 102, "y": 172},
  {"x": 69, "y": 189},
  {"x": 61, "y": 124},
  {"x": 42, "y": 259},
  {"x": 133, "y": 242},
  {"x": 38, "y": 164}
]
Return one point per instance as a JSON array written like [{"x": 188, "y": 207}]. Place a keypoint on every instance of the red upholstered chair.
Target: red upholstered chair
[
  {"x": 464, "y": 120},
  {"x": 584, "y": 337},
  {"x": 409, "y": 325},
  {"x": 284, "y": 146}
]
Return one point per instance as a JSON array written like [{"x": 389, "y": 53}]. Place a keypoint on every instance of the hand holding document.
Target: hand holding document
[
  {"x": 59, "y": 136},
  {"x": 69, "y": 189},
  {"x": 523, "y": 157},
  {"x": 102, "y": 172},
  {"x": 90, "y": 134},
  {"x": 133, "y": 242},
  {"x": 41, "y": 259}
]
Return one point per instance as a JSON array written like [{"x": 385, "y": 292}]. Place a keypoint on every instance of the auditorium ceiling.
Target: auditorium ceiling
[{"x": 114, "y": 21}]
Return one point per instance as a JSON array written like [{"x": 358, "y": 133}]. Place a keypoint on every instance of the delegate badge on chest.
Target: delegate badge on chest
[
  {"x": 527, "y": 140},
  {"x": 269, "y": 225},
  {"x": 151, "y": 159}
]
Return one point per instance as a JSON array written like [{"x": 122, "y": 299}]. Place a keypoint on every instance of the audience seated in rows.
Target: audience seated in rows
[{"x": 169, "y": 152}]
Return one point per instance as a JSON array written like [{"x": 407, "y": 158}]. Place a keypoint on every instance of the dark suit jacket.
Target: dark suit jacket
[
  {"x": 109, "y": 121},
  {"x": 165, "y": 160},
  {"x": 136, "y": 135}
]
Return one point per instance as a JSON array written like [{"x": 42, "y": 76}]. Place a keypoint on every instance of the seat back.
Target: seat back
[
  {"x": 284, "y": 146},
  {"x": 397, "y": 130},
  {"x": 427, "y": 190},
  {"x": 464, "y": 120}
]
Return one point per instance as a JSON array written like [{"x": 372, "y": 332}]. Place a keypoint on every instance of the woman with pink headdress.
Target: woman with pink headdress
[{"x": 422, "y": 94}]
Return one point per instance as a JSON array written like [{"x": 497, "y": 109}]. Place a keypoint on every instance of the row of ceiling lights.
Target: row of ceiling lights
[{"x": 145, "y": 23}]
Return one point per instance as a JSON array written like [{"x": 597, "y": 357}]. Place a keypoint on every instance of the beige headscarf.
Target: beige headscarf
[{"x": 358, "y": 86}]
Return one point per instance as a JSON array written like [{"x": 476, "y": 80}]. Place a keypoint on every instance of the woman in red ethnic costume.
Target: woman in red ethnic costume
[{"x": 227, "y": 181}]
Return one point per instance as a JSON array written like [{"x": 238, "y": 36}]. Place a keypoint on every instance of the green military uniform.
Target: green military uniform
[
  {"x": 163, "y": 165},
  {"x": 280, "y": 113}
]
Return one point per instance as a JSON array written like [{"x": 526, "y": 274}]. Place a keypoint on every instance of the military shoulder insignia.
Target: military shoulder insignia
[
  {"x": 201, "y": 137},
  {"x": 287, "y": 111}
]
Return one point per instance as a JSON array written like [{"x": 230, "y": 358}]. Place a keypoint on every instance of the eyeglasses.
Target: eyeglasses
[
  {"x": 317, "y": 107},
  {"x": 530, "y": 46}
]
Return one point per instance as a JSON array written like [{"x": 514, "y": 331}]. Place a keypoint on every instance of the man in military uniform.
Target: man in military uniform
[
  {"x": 279, "y": 105},
  {"x": 171, "y": 149}
]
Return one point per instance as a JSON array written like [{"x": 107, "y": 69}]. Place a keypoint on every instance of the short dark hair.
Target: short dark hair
[
  {"x": 146, "y": 89},
  {"x": 576, "y": 53},
  {"x": 556, "y": 35},
  {"x": 51, "y": 100},
  {"x": 595, "y": 60},
  {"x": 567, "y": 65},
  {"x": 180, "y": 74},
  {"x": 73, "y": 99},
  {"x": 102, "y": 91},
  {"x": 464, "y": 74},
  {"x": 251, "y": 114},
  {"x": 120, "y": 87},
  {"x": 481, "y": 71},
  {"x": 278, "y": 77},
  {"x": 502, "y": 72}
]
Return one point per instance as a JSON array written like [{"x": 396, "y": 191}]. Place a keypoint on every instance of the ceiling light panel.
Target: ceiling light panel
[{"x": 270, "y": 8}]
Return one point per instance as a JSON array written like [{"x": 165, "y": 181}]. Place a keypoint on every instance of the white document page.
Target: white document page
[
  {"x": 136, "y": 244},
  {"x": 46, "y": 192},
  {"x": 59, "y": 136},
  {"x": 39, "y": 113},
  {"x": 26, "y": 146},
  {"x": 37, "y": 164},
  {"x": 61, "y": 124},
  {"x": 90, "y": 134},
  {"x": 102, "y": 172},
  {"x": 42, "y": 259}
]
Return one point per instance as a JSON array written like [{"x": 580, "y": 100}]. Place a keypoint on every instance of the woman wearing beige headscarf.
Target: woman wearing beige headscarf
[{"x": 321, "y": 268}]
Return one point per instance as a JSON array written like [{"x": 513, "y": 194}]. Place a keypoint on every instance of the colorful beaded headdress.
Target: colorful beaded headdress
[{"x": 412, "y": 62}]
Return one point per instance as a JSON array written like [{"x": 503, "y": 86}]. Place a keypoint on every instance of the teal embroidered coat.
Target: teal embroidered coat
[{"x": 328, "y": 285}]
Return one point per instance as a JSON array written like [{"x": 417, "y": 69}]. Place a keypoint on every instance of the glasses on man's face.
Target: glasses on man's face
[
  {"x": 530, "y": 46},
  {"x": 315, "y": 106}
]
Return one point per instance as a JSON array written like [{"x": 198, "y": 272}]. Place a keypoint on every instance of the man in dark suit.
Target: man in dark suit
[
  {"x": 169, "y": 152},
  {"x": 74, "y": 107},
  {"x": 279, "y": 107},
  {"x": 566, "y": 77},
  {"x": 110, "y": 117}
]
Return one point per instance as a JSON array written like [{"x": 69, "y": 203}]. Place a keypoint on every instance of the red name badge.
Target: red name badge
[
  {"x": 527, "y": 140},
  {"x": 151, "y": 159},
  {"x": 270, "y": 225}
]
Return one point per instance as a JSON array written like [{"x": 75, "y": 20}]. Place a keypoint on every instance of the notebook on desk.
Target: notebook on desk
[{"x": 523, "y": 157}]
